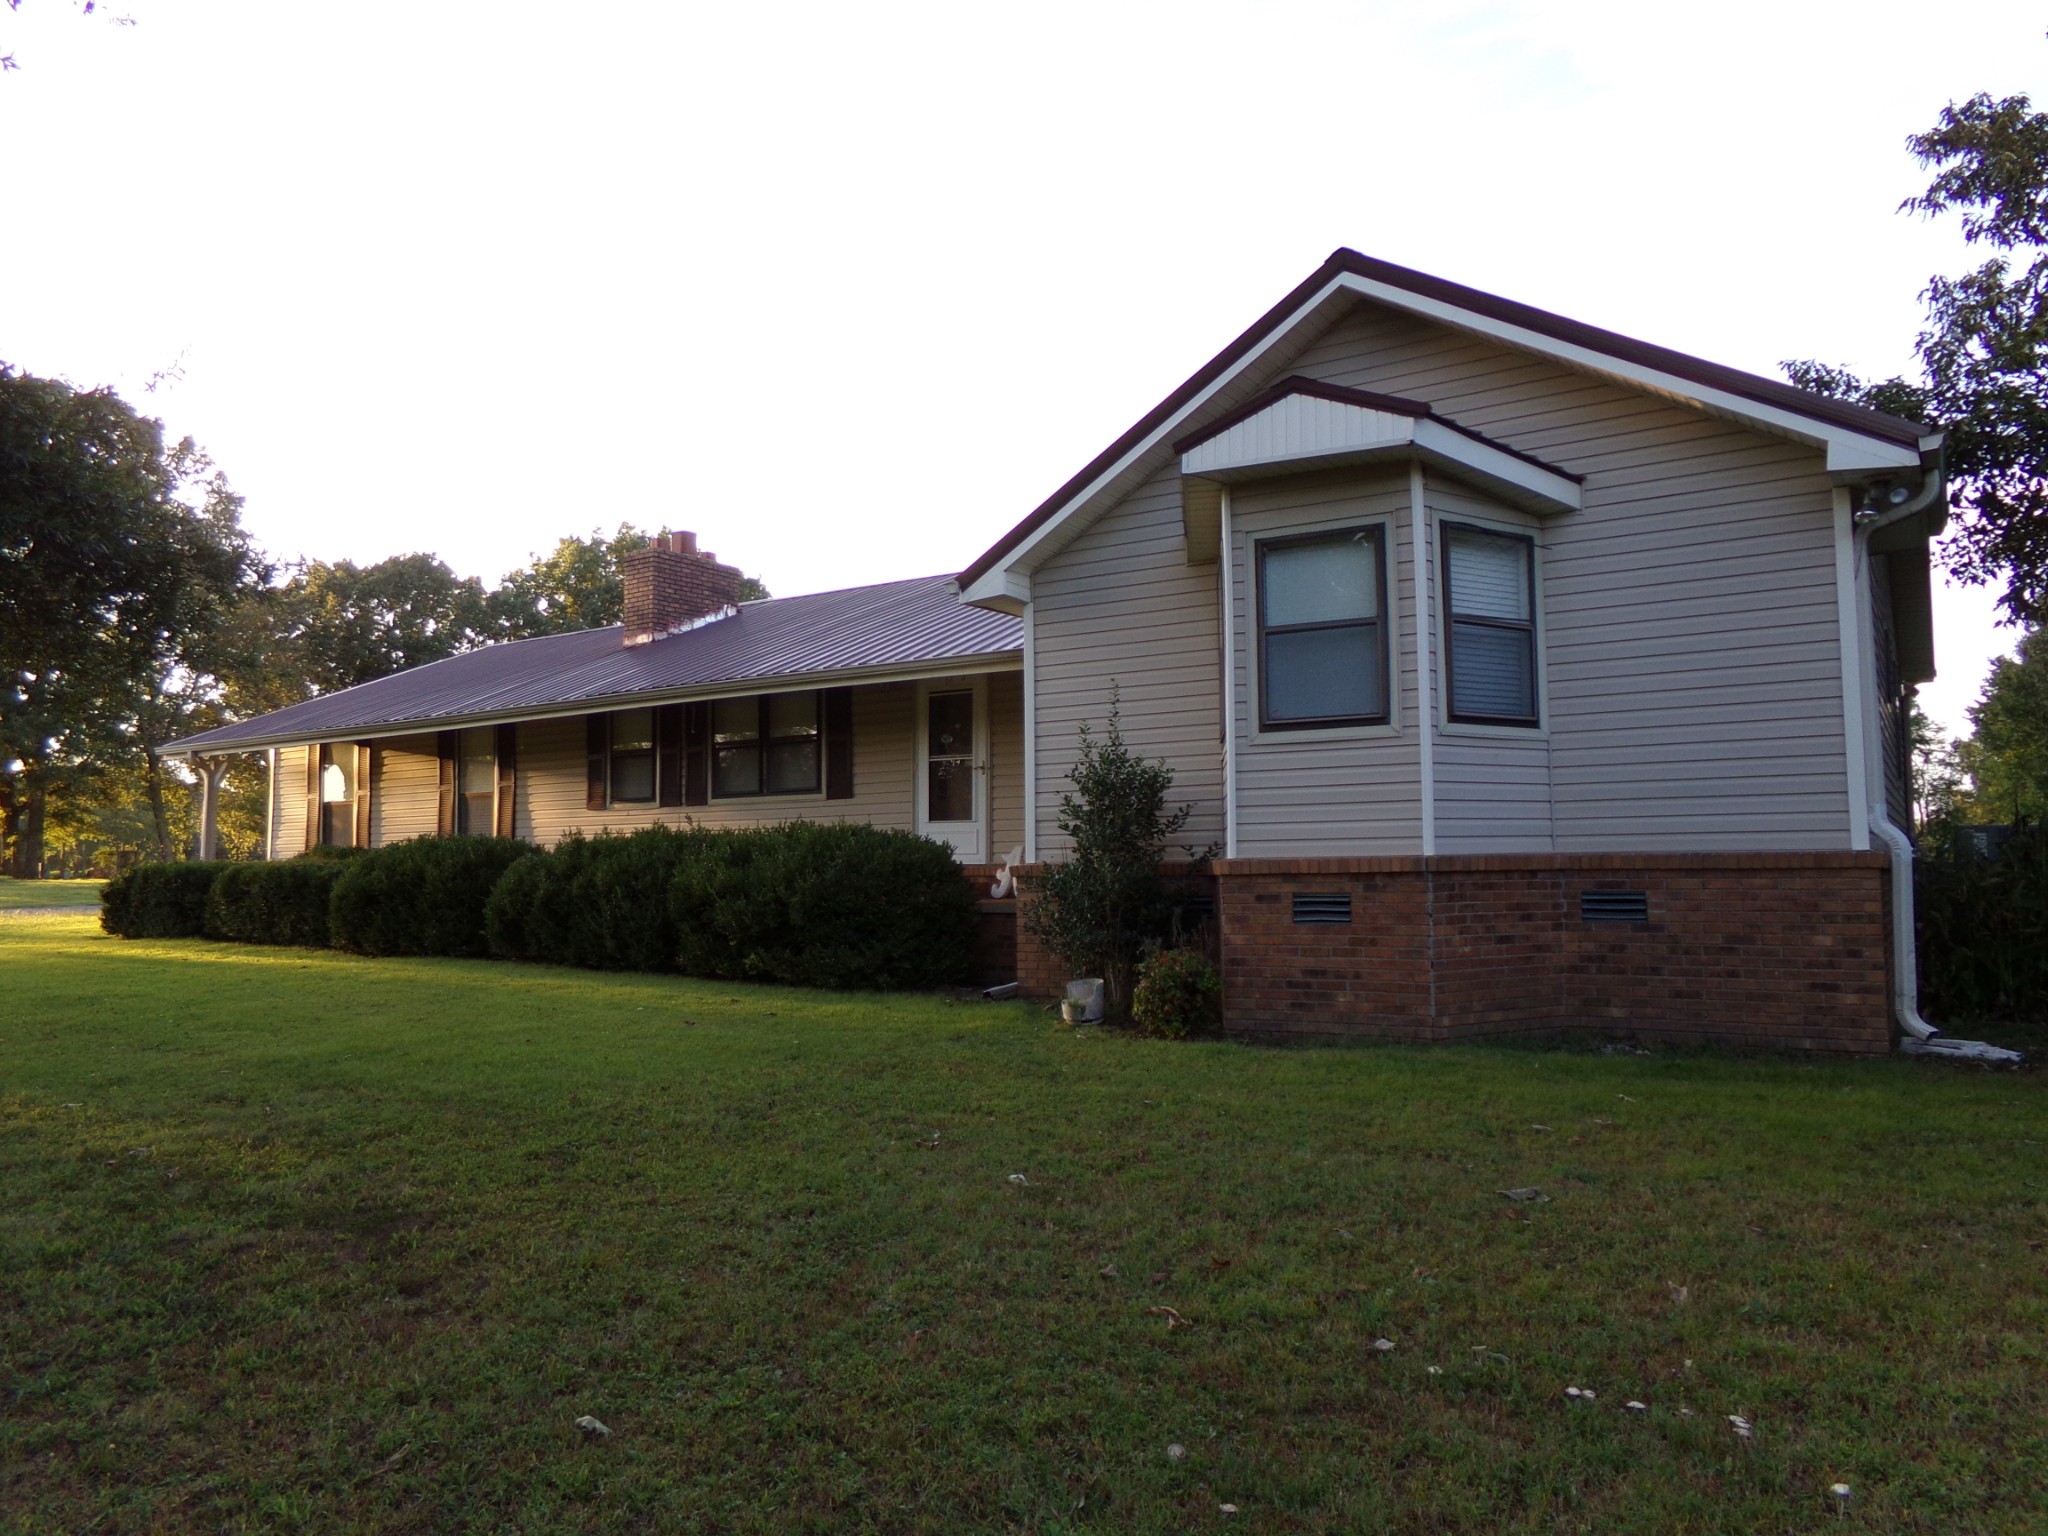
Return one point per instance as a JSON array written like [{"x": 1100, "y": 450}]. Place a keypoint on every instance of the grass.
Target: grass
[
  {"x": 18, "y": 894},
  {"x": 294, "y": 1241}
]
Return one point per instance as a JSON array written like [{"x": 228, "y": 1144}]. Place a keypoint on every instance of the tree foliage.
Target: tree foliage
[
  {"x": 581, "y": 585},
  {"x": 118, "y": 555},
  {"x": 1099, "y": 909},
  {"x": 1983, "y": 348},
  {"x": 2006, "y": 756}
]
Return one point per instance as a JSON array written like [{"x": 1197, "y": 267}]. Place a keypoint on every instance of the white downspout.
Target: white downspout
[
  {"x": 1921, "y": 1037},
  {"x": 1425, "y": 634},
  {"x": 1227, "y": 568}
]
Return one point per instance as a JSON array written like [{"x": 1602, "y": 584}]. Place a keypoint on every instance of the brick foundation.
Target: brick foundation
[{"x": 1788, "y": 951}]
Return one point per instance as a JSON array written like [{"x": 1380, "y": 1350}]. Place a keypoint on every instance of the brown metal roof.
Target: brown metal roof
[
  {"x": 1748, "y": 386},
  {"x": 895, "y": 626}
]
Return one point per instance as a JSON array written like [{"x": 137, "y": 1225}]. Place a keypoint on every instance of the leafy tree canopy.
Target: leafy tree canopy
[
  {"x": 1984, "y": 346},
  {"x": 2007, "y": 754},
  {"x": 117, "y": 557},
  {"x": 581, "y": 585}
]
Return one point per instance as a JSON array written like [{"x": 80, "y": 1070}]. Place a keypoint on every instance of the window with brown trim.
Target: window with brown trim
[
  {"x": 1321, "y": 630},
  {"x": 1490, "y": 626},
  {"x": 767, "y": 744},
  {"x": 477, "y": 782},
  {"x": 632, "y": 757},
  {"x": 338, "y": 789}
]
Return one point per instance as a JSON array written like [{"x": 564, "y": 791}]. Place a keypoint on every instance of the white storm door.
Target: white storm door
[{"x": 952, "y": 767}]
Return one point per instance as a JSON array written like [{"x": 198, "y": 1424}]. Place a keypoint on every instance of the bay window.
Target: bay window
[
  {"x": 1490, "y": 626},
  {"x": 1321, "y": 630}
]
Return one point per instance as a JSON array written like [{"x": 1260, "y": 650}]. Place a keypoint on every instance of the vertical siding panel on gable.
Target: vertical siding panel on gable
[
  {"x": 1690, "y": 600},
  {"x": 1121, "y": 606},
  {"x": 405, "y": 793},
  {"x": 1341, "y": 793}
]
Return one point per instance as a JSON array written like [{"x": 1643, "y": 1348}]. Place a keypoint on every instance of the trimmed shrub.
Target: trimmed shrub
[
  {"x": 824, "y": 904},
  {"x": 326, "y": 853},
  {"x": 599, "y": 902},
  {"x": 1179, "y": 993},
  {"x": 423, "y": 897},
  {"x": 274, "y": 903},
  {"x": 160, "y": 901}
]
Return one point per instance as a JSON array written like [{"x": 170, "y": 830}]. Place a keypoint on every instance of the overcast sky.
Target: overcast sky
[{"x": 849, "y": 289}]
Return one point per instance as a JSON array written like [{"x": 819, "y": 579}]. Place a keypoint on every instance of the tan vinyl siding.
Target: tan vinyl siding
[
  {"x": 1341, "y": 792},
  {"x": 1120, "y": 605},
  {"x": 1691, "y": 647},
  {"x": 1006, "y": 763},
  {"x": 405, "y": 795},
  {"x": 288, "y": 785}
]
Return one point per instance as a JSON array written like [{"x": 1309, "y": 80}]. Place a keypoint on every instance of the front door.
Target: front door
[{"x": 952, "y": 757}]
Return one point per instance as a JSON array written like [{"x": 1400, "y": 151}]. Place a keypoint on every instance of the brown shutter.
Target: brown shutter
[
  {"x": 696, "y": 754},
  {"x": 365, "y": 768},
  {"x": 448, "y": 746},
  {"x": 668, "y": 739},
  {"x": 508, "y": 777},
  {"x": 597, "y": 746},
  {"x": 313, "y": 795},
  {"x": 838, "y": 743}
]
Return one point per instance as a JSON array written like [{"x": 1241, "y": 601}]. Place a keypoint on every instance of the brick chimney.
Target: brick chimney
[{"x": 672, "y": 586}]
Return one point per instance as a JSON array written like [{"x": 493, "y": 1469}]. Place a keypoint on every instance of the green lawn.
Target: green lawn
[
  {"x": 17, "y": 894},
  {"x": 297, "y": 1242}
]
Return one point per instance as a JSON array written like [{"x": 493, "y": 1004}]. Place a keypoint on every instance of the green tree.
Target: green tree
[
  {"x": 117, "y": 557},
  {"x": 335, "y": 624},
  {"x": 581, "y": 585},
  {"x": 2007, "y": 752},
  {"x": 1983, "y": 348},
  {"x": 1099, "y": 908}
]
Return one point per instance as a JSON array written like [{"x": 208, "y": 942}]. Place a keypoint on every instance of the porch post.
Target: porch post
[{"x": 211, "y": 771}]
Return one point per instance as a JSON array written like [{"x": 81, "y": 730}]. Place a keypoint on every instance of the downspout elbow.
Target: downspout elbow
[{"x": 1905, "y": 953}]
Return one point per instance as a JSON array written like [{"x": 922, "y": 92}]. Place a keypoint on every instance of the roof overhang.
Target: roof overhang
[
  {"x": 1857, "y": 442},
  {"x": 975, "y": 666},
  {"x": 1302, "y": 425}
]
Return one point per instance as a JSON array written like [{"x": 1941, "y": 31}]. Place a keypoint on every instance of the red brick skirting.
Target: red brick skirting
[{"x": 1786, "y": 951}]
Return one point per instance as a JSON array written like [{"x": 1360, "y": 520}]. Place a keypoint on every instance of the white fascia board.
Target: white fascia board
[
  {"x": 1002, "y": 589},
  {"x": 1000, "y": 661},
  {"x": 1373, "y": 436},
  {"x": 1855, "y": 450}
]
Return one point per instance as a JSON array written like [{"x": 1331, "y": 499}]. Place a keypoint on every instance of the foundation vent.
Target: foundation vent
[
  {"x": 1614, "y": 906},
  {"x": 1322, "y": 909}
]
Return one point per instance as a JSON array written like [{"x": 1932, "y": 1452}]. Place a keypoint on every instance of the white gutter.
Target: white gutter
[
  {"x": 1921, "y": 1037},
  {"x": 1030, "y": 733},
  {"x": 1226, "y": 567}
]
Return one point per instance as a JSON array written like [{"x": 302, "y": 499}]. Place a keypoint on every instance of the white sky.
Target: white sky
[{"x": 850, "y": 289}]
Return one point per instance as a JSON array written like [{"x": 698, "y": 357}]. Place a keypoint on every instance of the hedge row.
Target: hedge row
[{"x": 823, "y": 905}]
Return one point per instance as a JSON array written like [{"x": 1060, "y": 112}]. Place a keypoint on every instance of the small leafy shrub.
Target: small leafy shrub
[
  {"x": 1179, "y": 993},
  {"x": 1101, "y": 908},
  {"x": 599, "y": 902},
  {"x": 326, "y": 853},
  {"x": 1983, "y": 924},
  {"x": 283, "y": 903},
  {"x": 824, "y": 904},
  {"x": 160, "y": 901},
  {"x": 423, "y": 897}
]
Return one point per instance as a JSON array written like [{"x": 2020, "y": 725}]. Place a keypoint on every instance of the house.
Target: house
[{"x": 1527, "y": 675}]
